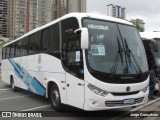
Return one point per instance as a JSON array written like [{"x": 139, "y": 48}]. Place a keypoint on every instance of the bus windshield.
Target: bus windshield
[{"x": 114, "y": 48}]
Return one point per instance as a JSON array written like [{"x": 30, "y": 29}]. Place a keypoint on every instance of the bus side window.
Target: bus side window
[
  {"x": 12, "y": 50},
  {"x": 54, "y": 38},
  {"x": 72, "y": 58},
  {"x": 34, "y": 43},
  {"x": 45, "y": 38},
  {"x": 4, "y": 53},
  {"x": 73, "y": 55},
  {"x": 24, "y": 46},
  {"x": 18, "y": 49},
  {"x": 50, "y": 39},
  {"x": 8, "y": 51}
]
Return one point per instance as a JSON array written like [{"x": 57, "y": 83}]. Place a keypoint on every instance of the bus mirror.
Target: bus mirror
[
  {"x": 77, "y": 31},
  {"x": 84, "y": 38}
]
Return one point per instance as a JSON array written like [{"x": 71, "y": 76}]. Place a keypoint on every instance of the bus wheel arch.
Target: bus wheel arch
[
  {"x": 12, "y": 82},
  {"x": 54, "y": 96}
]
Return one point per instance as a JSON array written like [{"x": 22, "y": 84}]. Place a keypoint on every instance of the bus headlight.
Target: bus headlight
[
  {"x": 145, "y": 89},
  {"x": 97, "y": 90}
]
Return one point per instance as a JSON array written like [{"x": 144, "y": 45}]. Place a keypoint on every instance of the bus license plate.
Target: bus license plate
[{"x": 128, "y": 101}]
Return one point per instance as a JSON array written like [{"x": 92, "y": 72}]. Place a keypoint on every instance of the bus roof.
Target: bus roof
[
  {"x": 150, "y": 35},
  {"x": 78, "y": 16}
]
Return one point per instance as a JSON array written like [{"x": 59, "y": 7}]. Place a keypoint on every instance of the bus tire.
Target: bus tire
[
  {"x": 14, "y": 88},
  {"x": 55, "y": 98}
]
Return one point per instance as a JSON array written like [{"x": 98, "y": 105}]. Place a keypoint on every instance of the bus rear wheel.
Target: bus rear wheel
[
  {"x": 14, "y": 88},
  {"x": 55, "y": 98}
]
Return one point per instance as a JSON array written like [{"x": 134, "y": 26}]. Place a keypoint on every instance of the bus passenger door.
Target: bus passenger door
[
  {"x": 75, "y": 91},
  {"x": 73, "y": 62}
]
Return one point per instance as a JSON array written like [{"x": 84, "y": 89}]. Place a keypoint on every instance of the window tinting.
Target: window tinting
[
  {"x": 12, "y": 50},
  {"x": 18, "y": 49},
  {"x": 4, "y": 53},
  {"x": 72, "y": 53},
  {"x": 24, "y": 46},
  {"x": 45, "y": 39},
  {"x": 34, "y": 43},
  {"x": 7, "y": 52},
  {"x": 68, "y": 28},
  {"x": 50, "y": 40},
  {"x": 54, "y": 38}
]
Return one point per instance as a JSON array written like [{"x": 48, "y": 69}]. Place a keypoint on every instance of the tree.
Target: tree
[
  {"x": 137, "y": 25},
  {"x": 2, "y": 42}
]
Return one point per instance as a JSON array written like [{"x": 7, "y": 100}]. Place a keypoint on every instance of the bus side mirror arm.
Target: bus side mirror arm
[{"x": 84, "y": 37}]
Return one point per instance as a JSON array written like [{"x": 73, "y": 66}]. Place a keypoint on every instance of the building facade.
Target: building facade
[
  {"x": 45, "y": 11},
  {"x": 3, "y": 18},
  {"x": 77, "y": 6},
  {"x": 49, "y": 10},
  {"x": 116, "y": 11},
  {"x": 32, "y": 14},
  {"x": 22, "y": 16},
  {"x": 25, "y": 15}
]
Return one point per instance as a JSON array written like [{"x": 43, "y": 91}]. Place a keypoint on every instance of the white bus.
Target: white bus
[
  {"x": 154, "y": 37},
  {"x": 150, "y": 35},
  {"x": 88, "y": 61}
]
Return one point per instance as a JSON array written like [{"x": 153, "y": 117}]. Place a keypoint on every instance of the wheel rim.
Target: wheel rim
[{"x": 55, "y": 98}]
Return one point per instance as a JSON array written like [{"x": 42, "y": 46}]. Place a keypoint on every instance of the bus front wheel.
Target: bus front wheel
[{"x": 55, "y": 98}]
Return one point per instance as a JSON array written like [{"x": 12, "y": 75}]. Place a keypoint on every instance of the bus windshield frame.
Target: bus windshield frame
[{"x": 120, "y": 64}]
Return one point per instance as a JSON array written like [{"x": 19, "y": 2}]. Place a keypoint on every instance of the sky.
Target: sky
[{"x": 147, "y": 10}]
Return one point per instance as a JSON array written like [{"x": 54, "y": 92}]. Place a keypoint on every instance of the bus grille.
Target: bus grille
[
  {"x": 121, "y": 103},
  {"x": 124, "y": 94}
]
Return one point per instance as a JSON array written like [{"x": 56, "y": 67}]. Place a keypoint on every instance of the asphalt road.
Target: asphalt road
[
  {"x": 25, "y": 101},
  {"x": 21, "y": 100}
]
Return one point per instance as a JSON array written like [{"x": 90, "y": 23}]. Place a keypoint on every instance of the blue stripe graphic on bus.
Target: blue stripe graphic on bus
[{"x": 31, "y": 82}]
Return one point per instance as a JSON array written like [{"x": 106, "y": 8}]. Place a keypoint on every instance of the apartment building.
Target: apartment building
[
  {"x": 116, "y": 11},
  {"x": 3, "y": 18},
  {"x": 45, "y": 11},
  {"x": 77, "y": 6},
  {"x": 49, "y": 10},
  {"x": 22, "y": 16},
  {"x": 32, "y": 14},
  {"x": 25, "y": 15}
]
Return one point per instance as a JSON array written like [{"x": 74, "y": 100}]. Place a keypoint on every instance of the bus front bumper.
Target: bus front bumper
[{"x": 95, "y": 102}]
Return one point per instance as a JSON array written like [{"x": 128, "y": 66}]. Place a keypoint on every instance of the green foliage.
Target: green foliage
[
  {"x": 139, "y": 28},
  {"x": 2, "y": 42}
]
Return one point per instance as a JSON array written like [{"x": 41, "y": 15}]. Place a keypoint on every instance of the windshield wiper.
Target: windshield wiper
[
  {"x": 118, "y": 55},
  {"x": 129, "y": 54}
]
